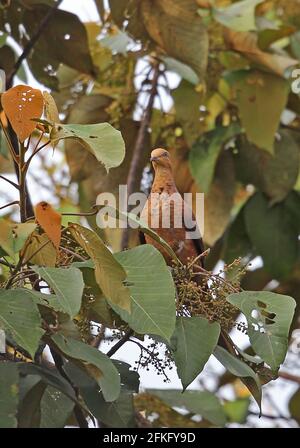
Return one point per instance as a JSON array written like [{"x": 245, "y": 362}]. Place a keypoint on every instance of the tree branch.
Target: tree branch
[
  {"x": 140, "y": 143},
  {"x": 119, "y": 344},
  {"x": 289, "y": 377}
]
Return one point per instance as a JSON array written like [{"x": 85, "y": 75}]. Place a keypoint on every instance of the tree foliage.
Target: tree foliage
[{"x": 69, "y": 288}]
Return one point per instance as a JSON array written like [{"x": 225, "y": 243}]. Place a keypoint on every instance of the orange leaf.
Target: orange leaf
[
  {"x": 21, "y": 104},
  {"x": 50, "y": 221}
]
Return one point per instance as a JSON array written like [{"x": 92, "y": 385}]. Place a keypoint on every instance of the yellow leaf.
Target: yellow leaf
[{"x": 51, "y": 111}]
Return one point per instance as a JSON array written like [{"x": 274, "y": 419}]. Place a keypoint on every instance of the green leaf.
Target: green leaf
[
  {"x": 269, "y": 317},
  {"x": 50, "y": 377},
  {"x": 183, "y": 70},
  {"x": 19, "y": 316},
  {"x": 280, "y": 171},
  {"x": 238, "y": 368},
  {"x": 205, "y": 153},
  {"x": 13, "y": 236},
  {"x": 237, "y": 243},
  {"x": 29, "y": 413},
  {"x": 190, "y": 334},
  {"x": 274, "y": 234},
  {"x": 142, "y": 226},
  {"x": 96, "y": 363},
  {"x": 9, "y": 387},
  {"x": 55, "y": 408},
  {"x": 237, "y": 410},
  {"x": 110, "y": 275},
  {"x": 187, "y": 105},
  {"x": 152, "y": 292},
  {"x": 101, "y": 140},
  {"x": 202, "y": 403},
  {"x": 67, "y": 284},
  {"x": 239, "y": 16},
  {"x": 117, "y": 414},
  {"x": 261, "y": 99}
]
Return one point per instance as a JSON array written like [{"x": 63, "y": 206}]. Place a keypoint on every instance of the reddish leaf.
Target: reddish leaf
[
  {"x": 50, "y": 221},
  {"x": 21, "y": 104}
]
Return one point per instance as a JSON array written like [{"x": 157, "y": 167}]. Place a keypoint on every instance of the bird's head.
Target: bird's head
[{"x": 160, "y": 157}]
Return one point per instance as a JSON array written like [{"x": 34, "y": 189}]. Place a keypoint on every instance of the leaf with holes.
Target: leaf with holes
[
  {"x": 101, "y": 140},
  {"x": 21, "y": 104},
  {"x": 50, "y": 221},
  {"x": 269, "y": 317},
  {"x": 19, "y": 317},
  {"x": 67, "y": 285},
  {"x": 96, "y": 363},
  {"x": 110, "y": 275},
  {"x": 190, "y": 334}
]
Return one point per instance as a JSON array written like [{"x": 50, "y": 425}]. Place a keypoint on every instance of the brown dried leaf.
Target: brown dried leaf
[
  {"x": 50, "y": 221},
  {"x": 21, "y": 104}
]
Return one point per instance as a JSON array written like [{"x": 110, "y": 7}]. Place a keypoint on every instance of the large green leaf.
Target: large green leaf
[
  {"x": 67, "y": 284},
  {"x": 239, "y": 16},
  {"x": 9, "y": 385},
  {"x": 96, "y": 363},
  {"x": 238, "y": 368},
  {"x": 192, "y": 343},
  {"x": 198, "y": 402},
  {"x": 19, "y": 316},
  {"x": 117, "y": 414},
  {"x": 152, "y": 292},
  {"x": 269, "y": 317},
  {"x": 273, "y": 233},
  {"x": 29, "y": 412},
  {"x": 205, "y": 153},
  {"x": 261, "y": 99},
  {"x": 55, "y": 408},
  {"x": 110, "y": 275},
  {"x": 102, "y": 140}
]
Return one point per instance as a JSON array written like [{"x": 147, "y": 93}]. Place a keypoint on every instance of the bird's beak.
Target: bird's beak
[{"x": 153, "y": 159}]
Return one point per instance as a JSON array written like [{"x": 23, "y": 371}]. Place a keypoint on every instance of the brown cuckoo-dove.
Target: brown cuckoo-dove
[{"x": 169, "y": 215}]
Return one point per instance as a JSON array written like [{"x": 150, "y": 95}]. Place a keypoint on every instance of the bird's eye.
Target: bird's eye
[{"x": 165, "y": 154}]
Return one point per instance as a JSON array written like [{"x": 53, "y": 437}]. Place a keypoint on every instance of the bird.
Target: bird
[{"x": 164, "y": 201}]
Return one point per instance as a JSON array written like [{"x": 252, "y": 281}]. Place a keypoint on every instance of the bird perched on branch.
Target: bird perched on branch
[{"x": 169, "y": 215}]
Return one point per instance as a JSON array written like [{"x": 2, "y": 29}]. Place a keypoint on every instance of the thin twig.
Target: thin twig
[
  {"x": 289, "y": 377},
  {"x": 9, "y": 204},
  {"x": 10, "y": 182}
]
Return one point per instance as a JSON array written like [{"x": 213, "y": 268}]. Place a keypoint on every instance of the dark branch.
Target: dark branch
[
  {"x": 140, "y": 143},
  {"x": 119, "y": 344}
]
